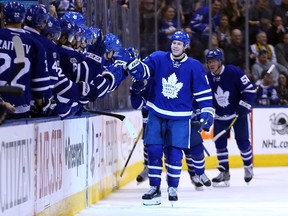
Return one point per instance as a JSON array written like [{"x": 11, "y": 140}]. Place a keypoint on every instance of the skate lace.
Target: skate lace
[
  {"x": 248, "y": 171},
  {"x": 204, "y": 178},
  {"x": 152, "y": 190},
  {"x": 172, "y": 191},
  {"x": 195, "y": 179}
]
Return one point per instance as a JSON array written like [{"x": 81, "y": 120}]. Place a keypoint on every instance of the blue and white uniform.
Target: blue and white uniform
[{"x": 229, "y": 87}]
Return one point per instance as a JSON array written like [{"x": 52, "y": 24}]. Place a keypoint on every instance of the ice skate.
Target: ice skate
[
  {"x": 172, "y": 195},
  {"x": 200, "y": 181},
  {"x": 143, "y": 175},
  {"x": 152, "y": 197},
  {"x": 222, "y": 180},
  {"x": 248, "y": 173}
]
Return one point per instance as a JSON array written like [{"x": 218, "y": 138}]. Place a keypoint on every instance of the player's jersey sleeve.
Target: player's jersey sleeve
[{"x": 201, "y": 88}]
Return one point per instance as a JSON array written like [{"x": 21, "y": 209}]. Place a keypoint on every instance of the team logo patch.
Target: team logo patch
[
  {"x": 222, "y": 97},
  {"x": 171, "y": 86}
]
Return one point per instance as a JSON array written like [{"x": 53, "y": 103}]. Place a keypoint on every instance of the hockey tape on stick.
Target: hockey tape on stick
[
  {"x": 226, "y": 129},
  {"x": 11, "y": 90},
  {"x": 130, "y": 128},
  {"x": 271, "y": 68},
  {"x": 132, "y": 150}
]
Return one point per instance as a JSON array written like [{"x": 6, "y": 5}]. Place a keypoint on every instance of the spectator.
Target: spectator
[
  {"x": 276, "y": 32},
  {"x": 282, "y": 11},
  {"x": 200, "y": 22},
  {"x": 282, "y": 89},
  {"x": 80, "y": 6},
  {"x": 223, "y": 31},
  {"x": 147, "y": 27},
  {"x": 264, "y": 64},
  {"x": 235, "y": 13},
  {"x": 59, "y": 7},
  {"x": 281, "y": 50},
  {"x": 167, "y": 26},
  {"x": 261, "y": 44},
  {"x": 258, "y": 15},
  {"x": 266, "y": 93},
  {"x": 235, "y": 51}
]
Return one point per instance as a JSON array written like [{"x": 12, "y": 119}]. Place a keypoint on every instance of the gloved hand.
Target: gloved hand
[
  {"x": 137, "y": 87},
  {"x": 116, "y": 74},
  {"x": 133, "y": 52},
  {"x": 243, "y": 108},
  {"x": 136, "y": 69},
  {"x": 206, "y": 118},
  {"x": 88, "y": 91}
]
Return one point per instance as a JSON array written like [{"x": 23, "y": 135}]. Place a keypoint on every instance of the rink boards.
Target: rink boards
[{"x": 60, "y": 167}]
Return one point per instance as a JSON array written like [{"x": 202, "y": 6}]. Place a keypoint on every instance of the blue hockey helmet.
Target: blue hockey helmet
[
  {"x": 52, "y": 27},
  {"x": 181, "y": 36},
  {"x": 112, "y": 42},
  {"x": 68, "y": 28},
  {"x": 14, "y": 12},
  {"x": 214, "y": 54},
  {"x": 97, "y": 34},
  {"x": 75, "y": 17},
  {"x": 36, "y": 15}
]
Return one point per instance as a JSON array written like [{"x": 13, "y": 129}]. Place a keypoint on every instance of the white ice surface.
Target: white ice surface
[{"x": 266, "y": 195}]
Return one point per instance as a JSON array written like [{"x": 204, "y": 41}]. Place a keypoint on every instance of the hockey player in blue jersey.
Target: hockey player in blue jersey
[
  {"x": 195, "y": 160},
  {"x": 177, "y": 81},
  {"x": 34, "y": 77},
  {"x": 233, "y": 94},
  {"x": 65, "y": 92}
]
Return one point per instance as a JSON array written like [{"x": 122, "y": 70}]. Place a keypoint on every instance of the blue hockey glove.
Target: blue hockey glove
[
  {"x": 243, "y": 108},
  {"x": 115, "y": 74},
  {"x": 137, "y": 69},
  {"x": 137, "y": 87},
  {"x": 206, "y": 118}
]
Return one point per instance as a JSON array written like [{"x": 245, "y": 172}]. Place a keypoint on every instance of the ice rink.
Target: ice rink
[{"x": 266, "y": 195}]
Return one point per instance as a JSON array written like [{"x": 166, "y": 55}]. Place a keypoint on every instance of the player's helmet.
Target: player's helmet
[
  {"x": 14, "y": 12},
  {"x": 112, "y": 42},
  {"x": 98, "y": 34},
  {"x": 214, "y": 54},
  {"x": 75, "y": 17},
  {"x": 52, "y": 27},
  {"x": 181, "y": 36},
  {"x": 36, "y": 15},
  {"x": 68, "y": 28}
]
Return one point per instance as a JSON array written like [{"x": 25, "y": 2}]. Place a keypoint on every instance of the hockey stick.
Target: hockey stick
[
  {"x": 268, "y": 72},
  {"x": 130, "y": 128},
  {"x": 226, "y": 129},
  {"x": 20, "y": 63},
  {"x": 132, "y": 150},
  {"x": 199, "y": 131}
]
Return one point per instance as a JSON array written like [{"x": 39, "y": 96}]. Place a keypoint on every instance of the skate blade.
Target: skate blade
[
  {"x": 221, "y": 184},
  {"x": 201, "y": 188},
  {"x": 173, "y": 203},
  {"x": 150, "y": 202}
]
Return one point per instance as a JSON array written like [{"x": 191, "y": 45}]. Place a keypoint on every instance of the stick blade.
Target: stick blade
[
  {"x": 19, "y": 49},
  {"x": 131, "y": 130}
]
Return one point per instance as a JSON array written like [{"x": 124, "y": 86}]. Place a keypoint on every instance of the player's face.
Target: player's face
[
  {"x": 109, "y": 55},
  {"x": 214, "y": 65},
  {"x": 177, "y": 48}
]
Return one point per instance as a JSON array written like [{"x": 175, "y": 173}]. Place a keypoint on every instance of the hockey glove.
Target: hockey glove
[
  {"x": 137, "y": 87},
  {"x": 206, "y": 118},
  {"x": 115, "y": 74},
  {"x": 88, "y": 92},
  {"x": 243, "y": 108}
]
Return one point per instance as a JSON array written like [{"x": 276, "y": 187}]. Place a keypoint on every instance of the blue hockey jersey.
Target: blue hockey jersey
[
  {"x": 33, "y": 78},
  {"x": 175, "y": 85},
  {"x": 229, "y": 87}
]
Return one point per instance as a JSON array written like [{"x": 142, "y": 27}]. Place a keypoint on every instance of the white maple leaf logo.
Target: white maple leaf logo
[
  {"x": 222, "y": 97},
  {"x": 170, "y": 87}
]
